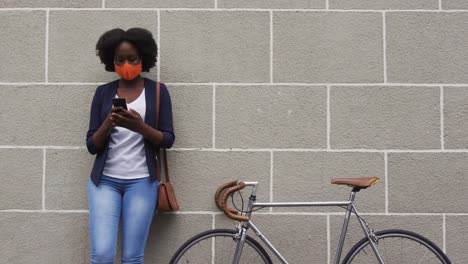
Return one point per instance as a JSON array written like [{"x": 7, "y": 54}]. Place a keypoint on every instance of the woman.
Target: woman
[{"x": 123, "y": 178}]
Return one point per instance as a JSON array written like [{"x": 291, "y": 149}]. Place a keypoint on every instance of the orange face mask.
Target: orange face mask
[{"x": 128, "y": 71}]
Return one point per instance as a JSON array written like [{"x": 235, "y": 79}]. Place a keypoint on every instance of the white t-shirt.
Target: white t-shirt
[{"x": 126, "y": 158}]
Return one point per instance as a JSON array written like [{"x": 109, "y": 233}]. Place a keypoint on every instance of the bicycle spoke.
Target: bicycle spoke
[
  {"x": 252, "y": 254},
  {"x": 397, "y": 247},
  {"x": 423, "y": 257},
  {"x": 213, "y": 250},
  {"x": 385, "y": 250},
  {"x": 400, "y": 253},
  {"x": 208, "y": 261},
  {"x": 218, "y": 247}
]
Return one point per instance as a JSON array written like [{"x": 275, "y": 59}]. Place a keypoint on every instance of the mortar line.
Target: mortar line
[
  {"x": 361, "y": 213},
  {"x": 319, "y": 150},
  {"x": 271, "y": 46},
  {"x": 328, "y": 119},
  {"x": 43, "y": 211},
  {"x": 384, "y": 32},
  {"x": 322, "y": 84},
  {"x": 386, "y": 181},
  {"x": 43, "y": 177},
  {"x": 46, "y": 83},
  {"x": 256, "y": 84},
  {"x": 158, "y": 70},
  {"x": 103, "y": 3},
  {"x": 442, "y": 128},
  {"x": 328, "y": 239},
  {"x": 213, "y": 140},
  {"x": 41, "y": 147},
  {"x": 271, "y": 180},
  {"x": 266, "y": 149},
  {"x": 236, "y": 9},
  {"x": 444, "y": 233},
  {"x": 216, "y": 4},
  {"x": 196, "y": 212},
  {"x": 46, "y": 69},
  {"x": 259, "y": 213},
  {"x": 440, "y": 4}
]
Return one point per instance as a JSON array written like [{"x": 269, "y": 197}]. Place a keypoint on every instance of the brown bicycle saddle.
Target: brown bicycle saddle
[{"x": 363, "y": 182}]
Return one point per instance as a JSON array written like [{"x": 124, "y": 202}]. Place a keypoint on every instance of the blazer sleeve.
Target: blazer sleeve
[
  {"x": 165, "y": 118},
  {"x": 94, "y": 122}
]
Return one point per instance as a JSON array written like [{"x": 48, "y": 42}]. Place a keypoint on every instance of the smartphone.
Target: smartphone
[{"x": 119, "y": 102}]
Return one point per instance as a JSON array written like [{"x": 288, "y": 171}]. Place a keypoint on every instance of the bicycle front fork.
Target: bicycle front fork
[{"x": 240, "y": 237}]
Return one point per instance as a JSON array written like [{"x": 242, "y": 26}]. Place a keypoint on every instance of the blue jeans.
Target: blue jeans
[{"x": 135, "y": 199}]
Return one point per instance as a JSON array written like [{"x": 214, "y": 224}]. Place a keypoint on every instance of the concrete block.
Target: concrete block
[
  {"x": 44, "y": 238},
  {"x": 46, "y": 114},
  {"x": 23, "y": 43},
  {"x": 426, "y": 47},
  {"x": 384, "y": 4},
  {"x": 197, "y": 174},
  {"x": 73, "y": 36},
  {"x": 385, "y": 117},
  {"x": 207, "y": 46},
  {"x": 455, "y": 117},
  {"x": 192, "y": 109},
  {"x": 427, "y": 182},
  {"x": 323, "y": 47},
  {"x": 271, "y": 117},
  {"x": 21, "y": 176},
  {"x": 306, "y": 176},
  {"x": 67, "y": 174}
]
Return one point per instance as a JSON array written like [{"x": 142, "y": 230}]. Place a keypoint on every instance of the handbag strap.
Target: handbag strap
[{"x": 158, "y": 164}]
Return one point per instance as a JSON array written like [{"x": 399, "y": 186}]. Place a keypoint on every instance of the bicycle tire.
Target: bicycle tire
[
  {"x": 256, "y": 248},
  {"x": 438, "y": 256}
]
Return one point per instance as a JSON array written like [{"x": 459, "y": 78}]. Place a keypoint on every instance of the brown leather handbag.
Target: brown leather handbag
[{"x": 167, "y": 201}]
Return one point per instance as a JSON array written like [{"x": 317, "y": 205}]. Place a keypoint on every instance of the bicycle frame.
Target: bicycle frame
[{"x": 350, "y": 208}]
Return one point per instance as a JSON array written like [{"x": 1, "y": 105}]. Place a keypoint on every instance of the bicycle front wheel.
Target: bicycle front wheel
[
  {"x": 218, "y": 246},
  {"x": 397, "y": 246}
]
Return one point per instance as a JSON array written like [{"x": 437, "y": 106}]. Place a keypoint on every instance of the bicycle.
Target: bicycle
[{"x": 387, "y": 246}]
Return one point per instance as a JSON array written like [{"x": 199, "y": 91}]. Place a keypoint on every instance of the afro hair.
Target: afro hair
[{"x": 141, "y": 38}]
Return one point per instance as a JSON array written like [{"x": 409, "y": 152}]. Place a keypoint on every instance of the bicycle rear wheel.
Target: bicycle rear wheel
[
  {"x": 397, "y": 246},
  {"x": 218, "y": 246}
]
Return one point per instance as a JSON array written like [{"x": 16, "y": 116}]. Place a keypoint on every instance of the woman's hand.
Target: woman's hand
[
  {"x": 130, "y": 119},
  {"x": 108, "y": 122}
]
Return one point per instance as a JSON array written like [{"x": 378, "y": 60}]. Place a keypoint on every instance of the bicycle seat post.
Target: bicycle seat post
[{"x": 349, "y": 209}]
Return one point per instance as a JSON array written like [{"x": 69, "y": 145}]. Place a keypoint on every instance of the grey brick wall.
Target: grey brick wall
[{"x": 287, "y": 93}]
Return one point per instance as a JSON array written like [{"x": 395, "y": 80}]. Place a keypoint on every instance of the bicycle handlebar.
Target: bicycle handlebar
[
  {"x": 228, "y": 212},
  {"x": 221, "y": 202},
  {"x": 220, "y": 190}
]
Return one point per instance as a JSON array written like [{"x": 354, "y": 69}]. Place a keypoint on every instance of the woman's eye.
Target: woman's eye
[{"x": 133, "y": 60}]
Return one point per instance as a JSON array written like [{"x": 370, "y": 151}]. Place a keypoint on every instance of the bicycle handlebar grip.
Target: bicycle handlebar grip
[
  {"x": 227, "y": 210},
  {"x": 220, "y": 190}
]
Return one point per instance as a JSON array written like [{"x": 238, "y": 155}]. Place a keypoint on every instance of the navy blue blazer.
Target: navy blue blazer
[{"x": 102, "y": 105}]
